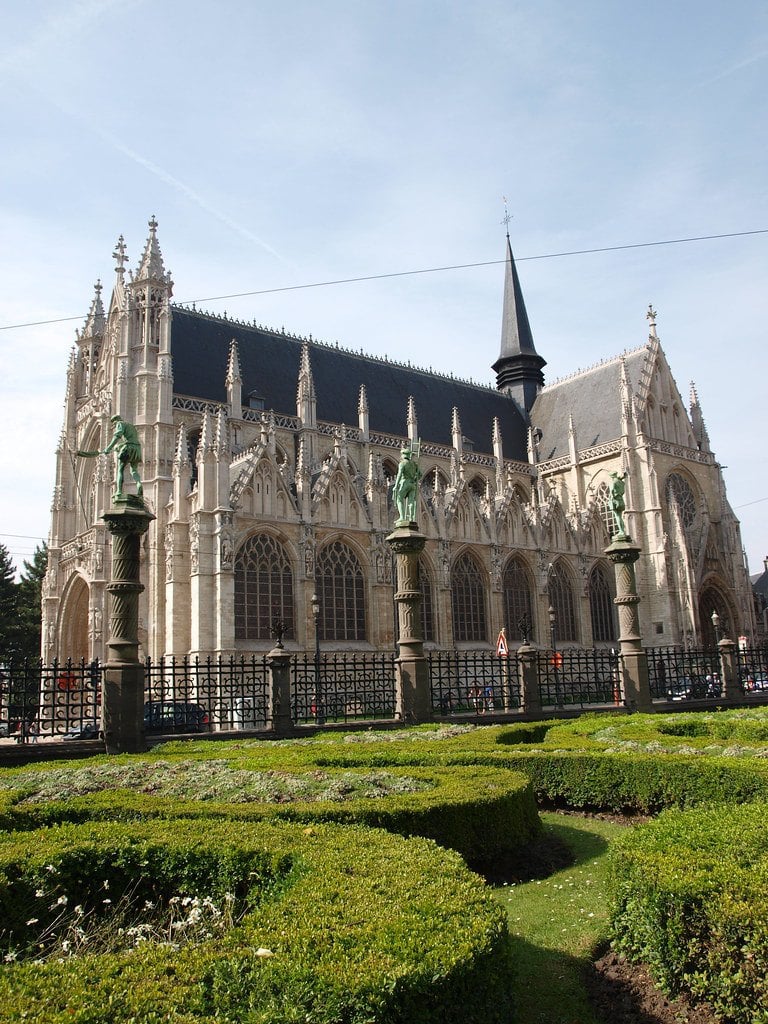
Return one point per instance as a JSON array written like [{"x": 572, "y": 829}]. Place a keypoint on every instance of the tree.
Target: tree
[
  {"x": 29, "y": 598},
  {"x": 9, "y": 612}
]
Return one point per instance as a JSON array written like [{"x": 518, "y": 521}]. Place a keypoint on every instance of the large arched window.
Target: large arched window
[
  {"x": 561, "y": 600},
  {"x": 341, "y": 590},
  {"x": 468, "y": 600},
  {"x": 263, "y": 588},
  {"x": 601, "y": 606},
  {"x": 427, "y": 614},
  {"x": 518, "y": 605}
]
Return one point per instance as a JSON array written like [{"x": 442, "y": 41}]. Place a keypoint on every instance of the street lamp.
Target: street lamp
[
  {"x": 318, "y": 702},
  {"x": 716, "y": 626}
]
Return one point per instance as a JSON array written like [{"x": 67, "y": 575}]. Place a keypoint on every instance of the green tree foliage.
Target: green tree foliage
[
  {"x": 29, "y": 595},
  {"x": 9, "y": 616}
]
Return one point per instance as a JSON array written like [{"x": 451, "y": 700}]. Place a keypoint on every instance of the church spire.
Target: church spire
[{"x": 518, "y": 368}]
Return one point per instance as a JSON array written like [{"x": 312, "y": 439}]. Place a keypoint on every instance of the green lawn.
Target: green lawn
[{"x": 557, "y": 924}]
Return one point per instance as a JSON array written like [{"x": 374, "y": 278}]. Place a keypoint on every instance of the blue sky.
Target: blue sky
[{"x": 282, "y": 145}]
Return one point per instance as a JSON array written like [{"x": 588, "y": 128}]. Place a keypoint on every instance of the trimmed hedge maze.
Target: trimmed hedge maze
[
  {"x": 329, "y": 917},
  {"x": 331, "y": 923},
  {"x": 348, "y": 900}
]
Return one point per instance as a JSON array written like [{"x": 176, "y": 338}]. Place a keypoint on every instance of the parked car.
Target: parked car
[
  {"x": 84, "y": 731},
  {"x": 687, "y": 688},
  {"x": 175, "y": 716}
]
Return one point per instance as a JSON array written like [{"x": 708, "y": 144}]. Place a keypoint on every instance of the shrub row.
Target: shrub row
[
  {"x": 691, "y": 901},
  {"x": 339, "y": 923},
  {"x": 482, "y": 813}
]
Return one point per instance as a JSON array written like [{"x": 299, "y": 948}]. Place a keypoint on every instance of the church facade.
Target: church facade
[{"x": 268, "y": 462}]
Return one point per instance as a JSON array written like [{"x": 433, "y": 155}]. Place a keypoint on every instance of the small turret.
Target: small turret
[{"x": 697, "y": 421}]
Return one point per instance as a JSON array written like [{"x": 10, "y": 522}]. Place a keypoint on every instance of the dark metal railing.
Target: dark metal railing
[
  {"x": 62, "y": 699},
  {"x": 752, "y": 669},
  {"x": 679, "y": 674},
  {"x": 193, "y": 695},
  {"x": 579, "y": 677},
  {"x": 342, "y": 687},
  {"x": 473, "y": 682}
]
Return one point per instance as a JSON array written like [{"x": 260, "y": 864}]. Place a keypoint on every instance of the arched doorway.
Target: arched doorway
[
  {"x": 73, "y": 622},
  {"x": 712, "y": 599}
]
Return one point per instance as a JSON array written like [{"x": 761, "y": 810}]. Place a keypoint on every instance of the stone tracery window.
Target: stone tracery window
[
  {"x": 601, "y": 606},
  {"x": 263, "y": 588},
  {"x": 603, "y": 502},
  {"x": 427, "y": 612},
  {"x": 518, "y": 605},
  {"x": 680, "y": 495},
  {"x": 341, "y": 590},
  {"x": 468, "y": 600}
]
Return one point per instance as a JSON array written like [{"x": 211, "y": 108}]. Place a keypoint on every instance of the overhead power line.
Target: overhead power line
[{"x": 413, "y": 273}]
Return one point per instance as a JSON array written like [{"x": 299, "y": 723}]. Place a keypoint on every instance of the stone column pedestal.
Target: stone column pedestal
[
  {"x": 414, "y": 701},
  {"x": 637, "y": 694},
  {"x": 122, "y": 707}
]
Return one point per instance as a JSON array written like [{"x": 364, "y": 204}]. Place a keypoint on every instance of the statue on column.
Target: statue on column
[
  {"x": 618, "y": 486},
  {"x": 126, "y": 445},
  {"x": 406, "y": 487}
]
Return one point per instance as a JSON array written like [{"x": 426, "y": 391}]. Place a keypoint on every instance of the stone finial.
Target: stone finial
[{"x": 120, "y": 257}]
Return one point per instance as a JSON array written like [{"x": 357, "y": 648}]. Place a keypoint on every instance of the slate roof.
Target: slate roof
[
  {"x": 592, "y": 398},
  {"x": 269, "y": 365}
]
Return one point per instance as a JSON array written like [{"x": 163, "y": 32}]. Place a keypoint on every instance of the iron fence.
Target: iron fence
[
  {"x": 473, "y": 682},
  {"x": 752, "y": 669},
  {"x": 680, "y": 674},
  {"x": 579, "y": 677},
  {"x": 62, "y": 699},
  {"x": 342, "y": 687},
  {"x": 193, "y": 695}
]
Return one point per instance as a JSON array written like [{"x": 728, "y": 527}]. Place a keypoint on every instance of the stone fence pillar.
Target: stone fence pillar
[
  {"x": 279, "y": 697},
  {"x": 728, "y": 670},
  {"x": 528, "y": 669}
]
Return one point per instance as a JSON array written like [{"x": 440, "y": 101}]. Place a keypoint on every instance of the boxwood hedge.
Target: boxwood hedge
[
  {"x": 691, "y": 901},
  {"x": 339, "y": 923},
  {"x": 483, "y": 812}
]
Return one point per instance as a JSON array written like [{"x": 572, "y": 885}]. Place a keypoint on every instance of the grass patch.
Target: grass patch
[{"x": 558, "y": 923}]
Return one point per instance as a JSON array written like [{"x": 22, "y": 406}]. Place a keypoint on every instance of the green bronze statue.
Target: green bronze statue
[
  {"x": 617, "y": 504},
  {"x": 406, "y": 487},
  {"x": 126, "y": 445}
]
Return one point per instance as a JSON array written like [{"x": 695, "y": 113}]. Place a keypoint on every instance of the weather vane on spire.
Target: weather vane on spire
[{"x": 507, "y": 215}]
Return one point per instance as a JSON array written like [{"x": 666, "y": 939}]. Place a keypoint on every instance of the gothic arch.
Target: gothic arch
[
  {"x": 518, "y": 595},
  {"x": 468, "y": 599},
  {"x": 72, "y": 633},
  {"x": 713, "y": 598},
  {"x": 477, "y": 485},
  {"x": 264, "y": 588}
]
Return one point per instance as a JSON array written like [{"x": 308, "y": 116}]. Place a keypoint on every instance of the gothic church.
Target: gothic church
[{"x": 268, "y": 461}]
